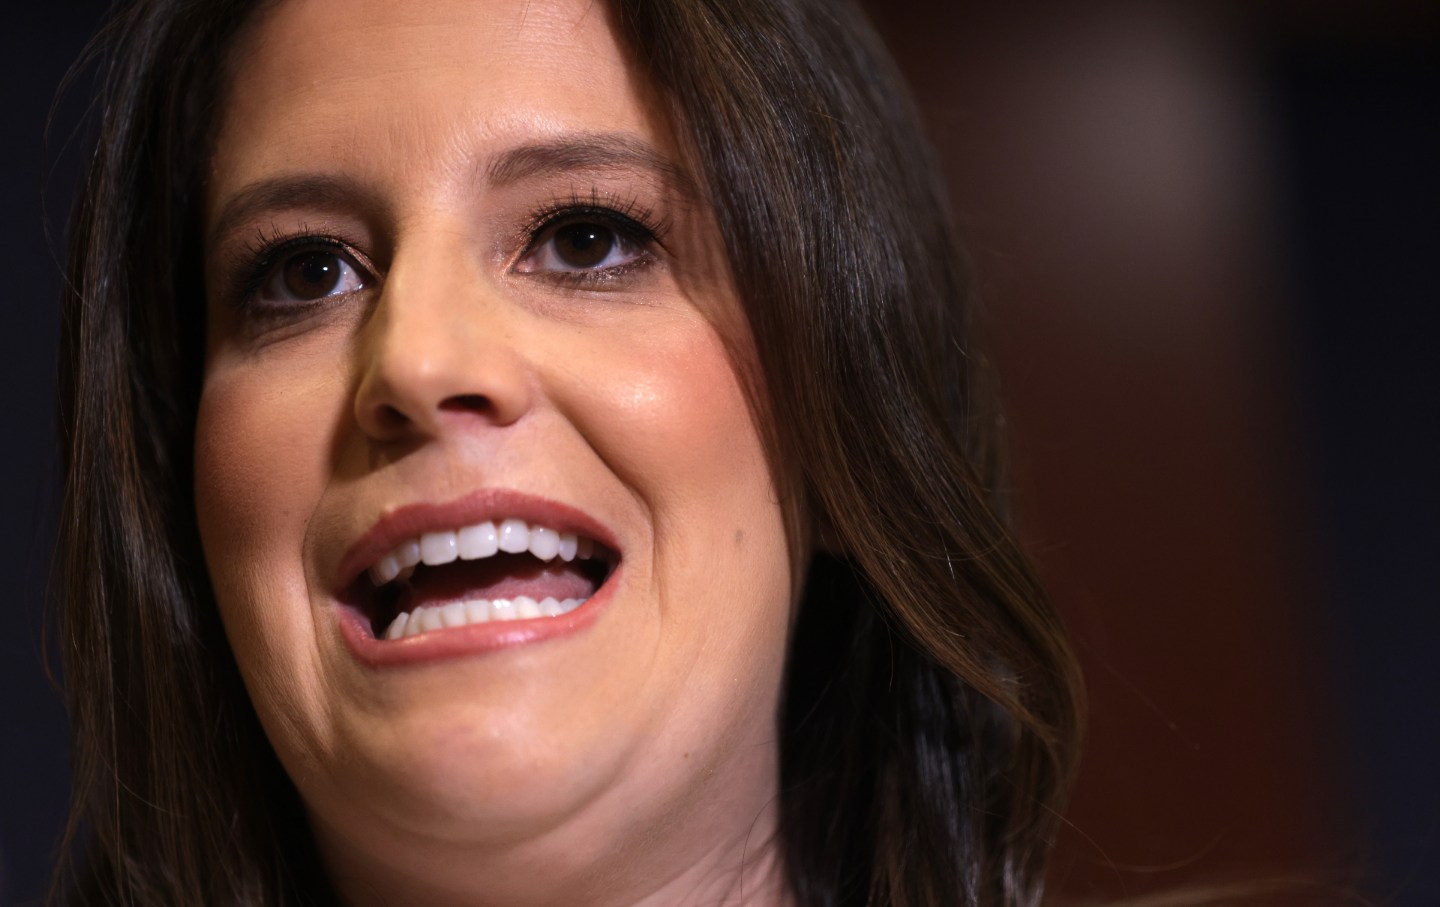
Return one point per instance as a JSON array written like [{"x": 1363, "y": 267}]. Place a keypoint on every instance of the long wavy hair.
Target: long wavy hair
[{"x": 929, "y": 726}]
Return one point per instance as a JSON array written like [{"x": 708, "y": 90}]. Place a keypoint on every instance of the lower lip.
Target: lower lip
[{"x": 471, "y": 639}]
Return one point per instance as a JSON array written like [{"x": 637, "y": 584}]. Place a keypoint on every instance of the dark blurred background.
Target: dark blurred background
[{"x": 1207, "y": 240}]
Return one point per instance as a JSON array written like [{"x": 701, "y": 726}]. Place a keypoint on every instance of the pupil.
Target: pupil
[
  {"x": 312, "y": 275},
  {"x": 584, "y": 245}
]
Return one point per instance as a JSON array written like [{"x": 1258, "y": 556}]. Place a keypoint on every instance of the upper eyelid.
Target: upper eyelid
[
  {"x": 302, "y": 241},
  {"x": 630, "y": 214},
  {"x": 243, "y": 249},
  {"x": 271, "y": 258}
]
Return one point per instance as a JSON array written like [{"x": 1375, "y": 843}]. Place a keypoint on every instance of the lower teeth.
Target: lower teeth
[{"x": 458, "y": 614}]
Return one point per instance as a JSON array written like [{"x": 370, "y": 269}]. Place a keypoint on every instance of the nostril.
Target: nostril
[
  {"x": 469, "y": 403},
  {"x": 391, "y": 418}
]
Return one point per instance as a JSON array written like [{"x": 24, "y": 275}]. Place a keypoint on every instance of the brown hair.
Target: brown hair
[{"x": 930, "y": 719}]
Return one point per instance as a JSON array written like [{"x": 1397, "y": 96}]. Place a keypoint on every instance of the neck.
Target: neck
[
  {"x": 745, "y": 869},
  {"x": 717, "y": 850}
]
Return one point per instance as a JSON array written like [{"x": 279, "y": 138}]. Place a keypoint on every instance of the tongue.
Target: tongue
[{"x": 502, "y": 576}]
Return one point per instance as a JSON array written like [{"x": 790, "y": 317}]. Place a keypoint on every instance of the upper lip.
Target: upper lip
[{"x": 406, "y": 522}]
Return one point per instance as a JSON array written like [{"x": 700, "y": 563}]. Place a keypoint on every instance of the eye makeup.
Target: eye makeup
[
  {"x": 590, "y": 242},
  {"x": 278, "y": 263},
  {"x": 594, "y": 241}
]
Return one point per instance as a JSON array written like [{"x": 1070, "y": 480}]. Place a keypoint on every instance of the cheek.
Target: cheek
[
  {"x": 677, "y": 426},
  {"x": 244, "y": 459},
  {"x": 678, "y": 430},
  {"x": 260, "y": 466}
]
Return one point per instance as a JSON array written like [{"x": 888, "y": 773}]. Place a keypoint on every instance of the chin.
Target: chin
[{"x": 464, "y": 772}]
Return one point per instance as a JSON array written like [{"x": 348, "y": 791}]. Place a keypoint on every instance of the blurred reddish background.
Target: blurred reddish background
[{"x": 1206, "y": 239}]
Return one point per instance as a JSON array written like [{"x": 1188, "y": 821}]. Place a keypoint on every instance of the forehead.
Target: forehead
[{"x": 381, "y": 88}]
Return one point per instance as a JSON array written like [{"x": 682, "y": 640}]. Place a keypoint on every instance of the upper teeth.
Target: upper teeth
[{"x": 479, "y": 541}]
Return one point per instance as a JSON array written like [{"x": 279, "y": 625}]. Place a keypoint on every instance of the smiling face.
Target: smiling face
[{"x": 459, "y": 281}]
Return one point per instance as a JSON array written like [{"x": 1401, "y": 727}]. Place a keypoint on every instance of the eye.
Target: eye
[
  {"x": 580, "y": 245},
  {"x": 309, "y": 275}
]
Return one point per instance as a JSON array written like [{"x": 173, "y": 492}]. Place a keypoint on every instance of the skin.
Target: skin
[{"x": 634, "y": 762}]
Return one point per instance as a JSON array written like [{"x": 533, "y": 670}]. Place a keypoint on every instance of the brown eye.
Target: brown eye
[
  {"x": 313, "y": 274},
  {"x": 583, "y": 245}
]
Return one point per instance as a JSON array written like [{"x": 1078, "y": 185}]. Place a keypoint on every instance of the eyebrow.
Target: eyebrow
[
  {"x": 580, "y": 152},
  {"x": 587, "y": 151},
  {"x": 320, "y": 191}
]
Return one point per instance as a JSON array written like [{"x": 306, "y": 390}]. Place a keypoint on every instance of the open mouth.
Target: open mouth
[{"x": 491, "y": 571}]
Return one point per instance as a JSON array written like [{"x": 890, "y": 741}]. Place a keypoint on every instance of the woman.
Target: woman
[{"x": 536, "y": 453}]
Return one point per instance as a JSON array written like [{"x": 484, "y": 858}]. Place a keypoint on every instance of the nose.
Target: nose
[{"x": 438, "y": 353}]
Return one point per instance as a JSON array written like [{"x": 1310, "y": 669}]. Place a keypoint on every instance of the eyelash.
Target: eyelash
[
  {"x": 267, "y": 253},
  {"x": 631, "y": 220}
]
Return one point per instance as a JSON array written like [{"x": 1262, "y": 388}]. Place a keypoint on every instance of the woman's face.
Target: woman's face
[{"x": 458, "y": 278}]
